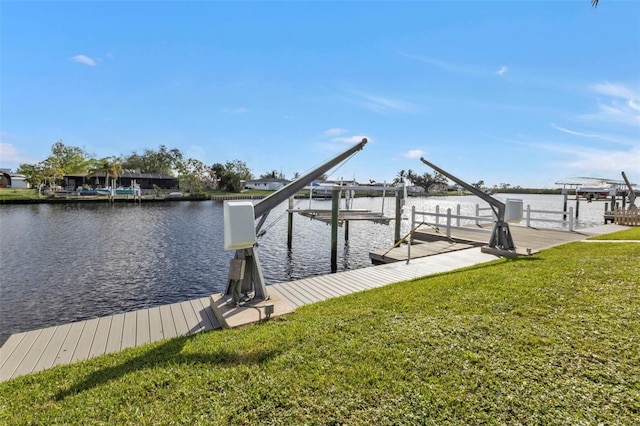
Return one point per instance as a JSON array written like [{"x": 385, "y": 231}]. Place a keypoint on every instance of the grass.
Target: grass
[
  {"x": 549, "y": 339},
  {"x": 633, "y": 233},
  {"x": 19, "y": 194}
]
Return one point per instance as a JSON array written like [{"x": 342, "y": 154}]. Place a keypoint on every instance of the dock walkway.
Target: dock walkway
[{"x": 37, "y": 350}]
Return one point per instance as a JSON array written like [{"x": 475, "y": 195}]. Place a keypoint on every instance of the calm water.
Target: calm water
[{"x": 63, "y": 263}]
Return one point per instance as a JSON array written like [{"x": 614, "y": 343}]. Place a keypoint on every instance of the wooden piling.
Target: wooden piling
[
  {"x": 290, "y": 225},
  {"x": 346, "y": 231},
  {"x": 335, "y": 203},
  {"x": 398, "y": 216}
]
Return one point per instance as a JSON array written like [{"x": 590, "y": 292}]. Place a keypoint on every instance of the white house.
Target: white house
[
  {"x": 13, "y": 180},
  {"x": 268, "y": 184}
]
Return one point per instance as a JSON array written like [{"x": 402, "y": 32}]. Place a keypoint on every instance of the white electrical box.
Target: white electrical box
[
  {"x": 513, "y": 210},
  {"x": 239, "y": 225}
]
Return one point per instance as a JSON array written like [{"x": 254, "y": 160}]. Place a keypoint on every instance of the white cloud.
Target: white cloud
[
  {"x": 351, "y": 139},
  {"x": 605, "y": 160},
  {"x": 414, "y": 153},
  {"x": 615, "y": 90},
  {"x": 594, "y": 160},
  {"x": 502, "y": 71},
  {"x": 381, "y": 104},
  {"x": 236, "y": 110},
  {"x": 622, "y": 108},
  {"x": 10, "y": 155},
  {"x": 573, "y": 132},
  {"x": 447, "y": 66},
  {"x": 84, "y": 60},
  {"x": 334, "y": 132}
]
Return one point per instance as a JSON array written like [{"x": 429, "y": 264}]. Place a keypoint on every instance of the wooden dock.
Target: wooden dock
[
  {"x": 37, "y": 350},
  {"x": 428, "y": 242}
]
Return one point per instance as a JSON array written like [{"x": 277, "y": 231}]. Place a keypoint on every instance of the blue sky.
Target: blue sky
[{"x": 525, "y": 93}]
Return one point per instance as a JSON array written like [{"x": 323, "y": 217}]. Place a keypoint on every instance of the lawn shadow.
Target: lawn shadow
[{"x": 168, "y": 353}]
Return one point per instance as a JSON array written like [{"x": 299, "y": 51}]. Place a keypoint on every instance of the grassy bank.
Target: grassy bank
[{"x": 549, "y": 339}]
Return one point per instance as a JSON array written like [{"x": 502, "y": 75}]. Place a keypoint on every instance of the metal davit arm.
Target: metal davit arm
[
  {"x": 493, "y": 202},
  {"x": 267, "y": 204},
  {"x": 501, "y": 235}
]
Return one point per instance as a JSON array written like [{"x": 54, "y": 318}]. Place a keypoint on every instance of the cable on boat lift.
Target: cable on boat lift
[{"x": 272, "y": 224}]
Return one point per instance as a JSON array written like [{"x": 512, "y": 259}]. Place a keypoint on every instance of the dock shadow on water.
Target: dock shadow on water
[{"x": 164, "y": 355}]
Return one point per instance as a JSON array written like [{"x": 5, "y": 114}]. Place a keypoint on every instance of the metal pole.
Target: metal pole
[
  {"x": 529, "y": 215},
  {"x": 571, "y": 224},
  {"x": 346, "y": 231},
  {"x": 335, "y": 202},
  {"x": 398, "y": 216},
  {"x": 290, "y": 224}
]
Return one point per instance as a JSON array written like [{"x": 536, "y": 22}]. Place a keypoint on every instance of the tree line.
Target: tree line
[{"x": 194, "y": 175}]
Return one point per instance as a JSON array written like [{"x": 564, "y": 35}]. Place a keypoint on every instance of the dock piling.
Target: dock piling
[{"x": 335, "y": 202}]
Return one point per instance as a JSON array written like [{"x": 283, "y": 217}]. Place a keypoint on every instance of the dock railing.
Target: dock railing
[
  {"x": 454, "y": 221},
  {"x": 448, "y": 221}
]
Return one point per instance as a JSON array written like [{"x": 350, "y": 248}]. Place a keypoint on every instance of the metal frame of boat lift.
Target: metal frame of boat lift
[
  {"x": 501, "y": 235},
  {"x": 246, "y": 280}
]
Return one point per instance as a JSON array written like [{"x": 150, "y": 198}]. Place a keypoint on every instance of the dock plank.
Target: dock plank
[
  {"x": 297, "y": 293},
  {"x": 288, "y": 294},
  {"x": 9, "y": 346},
  {"x": 156, "y": 332},
  {"x": 192, "y": 320},
  {"x": 203, "y": 310},
  {"x": 168, "y": 326},
  {"x": 142, "y": 327},
  {"x": 309, "y": 291},
  {"x": 182, "y": 329},
  {"x": 317, "y": 286},
  {"x": 285, "y": 294},
  {"x": 15, "y": 359},
  {"x": 129, "y": 330},
  {"x": 99, "y": 345},
  {"x": 83, "y": 348},
  {"x": 70, "y": 342},
  {"x": 330, "y": 283},
  {"x": 29, "y": 362},
  {"x": 53, "y": 348},
  {"x": 114, "y": 341}
]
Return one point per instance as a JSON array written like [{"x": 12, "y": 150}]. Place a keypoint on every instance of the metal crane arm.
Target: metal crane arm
[
  {"x": 497, "y": 204},
  {"x": 265, "y": 205}
]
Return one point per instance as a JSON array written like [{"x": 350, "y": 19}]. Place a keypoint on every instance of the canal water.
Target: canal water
[{"x": 68, "y": 262}]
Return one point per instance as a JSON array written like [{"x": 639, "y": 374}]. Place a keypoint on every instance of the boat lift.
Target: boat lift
[
  {"x": 246, "y": 280},
  {"x": 501, "y": 235}
]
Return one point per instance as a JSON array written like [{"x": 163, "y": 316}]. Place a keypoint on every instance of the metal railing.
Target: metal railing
[{"x": 453, "y": 221}]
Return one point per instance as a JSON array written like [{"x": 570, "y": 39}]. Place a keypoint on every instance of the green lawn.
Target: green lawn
[
  {"x": 633, "y": 233},
  {"x": 548, "y": 339},
  {"x": 19, "y": 194}
]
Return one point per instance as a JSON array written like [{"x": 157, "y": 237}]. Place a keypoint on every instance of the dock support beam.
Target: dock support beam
[
  {"x": 335, "y": 204},
  {"x": 290, "y": 224},
  {"x": 396, "y": 237}
]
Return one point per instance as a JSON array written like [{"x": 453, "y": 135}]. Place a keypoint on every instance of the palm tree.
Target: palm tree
[
  {"x": 109, "y": 166},
  {"x": 594, "y": 3}
]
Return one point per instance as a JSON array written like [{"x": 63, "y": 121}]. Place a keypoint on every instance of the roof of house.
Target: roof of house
[
  {"x": 267, "y": 180},
  {"x": 129, "y": 175}
]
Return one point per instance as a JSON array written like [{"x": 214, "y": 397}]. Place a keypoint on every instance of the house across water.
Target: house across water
[{"x": 125, "y": 179}]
